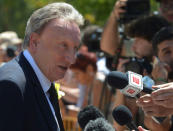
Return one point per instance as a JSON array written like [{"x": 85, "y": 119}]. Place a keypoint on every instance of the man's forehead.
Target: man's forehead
[
  {"x": 61, "y": 23},
  {"x": 63, "y": 26},
  {"x": 166, "y": 44}
]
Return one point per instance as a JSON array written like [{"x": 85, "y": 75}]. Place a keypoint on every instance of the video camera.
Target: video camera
[
  {"x": 138, "y": 65},
  {"x": 92, "y": 37},
  {"x": 135, "y": 9},
  {"x": 135, "y": 64}
]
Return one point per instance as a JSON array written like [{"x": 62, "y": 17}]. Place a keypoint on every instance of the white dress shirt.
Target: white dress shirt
[{"x": 45, "y": 83}]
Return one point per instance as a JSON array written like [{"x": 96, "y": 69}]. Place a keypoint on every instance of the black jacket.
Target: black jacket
[{"x": 23, "y": 105}]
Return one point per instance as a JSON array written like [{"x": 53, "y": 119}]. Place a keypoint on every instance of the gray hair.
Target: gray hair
[{"x": 42, "y": 16}]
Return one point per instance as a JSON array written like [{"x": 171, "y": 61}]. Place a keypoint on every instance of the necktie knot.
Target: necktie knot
[
  {"x": 53, "y": 95},
  {"x": 52, "y": 90},
  {"x": 54, "y": 100}
]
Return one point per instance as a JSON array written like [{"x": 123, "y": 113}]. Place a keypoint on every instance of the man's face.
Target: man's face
[
  {"x": 56, "y": 48},
  {"x": 166, "y": 9},
  {"x": 142, "y": 47},
  {"x": 165, "y": 52}
]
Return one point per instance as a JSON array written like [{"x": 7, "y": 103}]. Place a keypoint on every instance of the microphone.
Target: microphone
[
  {"x": 100, "y": 124},
  {"x": 88, "y": 113},
  {"x": 123, "y": 116},
  {"x": 130, "y": 84}
]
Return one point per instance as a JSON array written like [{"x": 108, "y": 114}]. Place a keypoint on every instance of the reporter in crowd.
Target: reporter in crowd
[
  {"x": 159, "y": 103},
  {"x": 163, "y": 48},
  {"x": 27, "y": 91}
]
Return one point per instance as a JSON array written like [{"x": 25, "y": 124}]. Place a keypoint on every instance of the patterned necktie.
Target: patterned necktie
[{"x": 54, "y": 101}]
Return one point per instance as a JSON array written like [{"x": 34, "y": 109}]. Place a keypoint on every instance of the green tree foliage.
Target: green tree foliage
[
  {"x": 96, "y": 11},
  {"x": 15, "y": 13}
]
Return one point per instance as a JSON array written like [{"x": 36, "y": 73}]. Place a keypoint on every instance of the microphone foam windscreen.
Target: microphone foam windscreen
[
  {"x": 122, "y": 115},
  {"x": 100, "y": 124},
  {"x": 88, "y": 113},
  {"x": 117, "y": 79}
]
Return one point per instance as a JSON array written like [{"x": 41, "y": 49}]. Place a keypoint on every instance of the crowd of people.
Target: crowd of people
[
  {"x": 151, "y": 42},
  {"x": 54, "y": 51}
]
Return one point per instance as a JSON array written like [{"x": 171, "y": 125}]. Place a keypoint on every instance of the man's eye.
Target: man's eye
[{"x": 63, "y": 45}]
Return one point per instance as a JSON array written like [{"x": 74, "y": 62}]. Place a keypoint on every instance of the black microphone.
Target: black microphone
[
  {"x": 120, "y": 80},
  {"x": 88, "y": 113},
  {"x": 100, "y": 124},
  {"x": 123, "y": 116}
]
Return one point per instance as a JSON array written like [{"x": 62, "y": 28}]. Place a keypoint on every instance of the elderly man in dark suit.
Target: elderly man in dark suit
[{"x": 27, "y": 95}]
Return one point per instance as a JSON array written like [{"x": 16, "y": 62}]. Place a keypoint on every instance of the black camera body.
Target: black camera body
[
  {"x": 135, "y": 9},
  {"x": 92, "y": 37},
  {"x": 134, "y": 64},
  {"x": 138, "y": 65},
  {"x": 94, "y": 41}
]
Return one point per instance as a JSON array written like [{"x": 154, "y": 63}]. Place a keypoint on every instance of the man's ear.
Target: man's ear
[{"x": 34, "y": 40}]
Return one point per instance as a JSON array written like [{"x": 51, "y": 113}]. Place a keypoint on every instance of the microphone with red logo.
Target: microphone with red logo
[{"x": 130, "y": 84}]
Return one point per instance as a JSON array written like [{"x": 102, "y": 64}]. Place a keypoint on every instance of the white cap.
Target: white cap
[{"x": 9, "y": 38}]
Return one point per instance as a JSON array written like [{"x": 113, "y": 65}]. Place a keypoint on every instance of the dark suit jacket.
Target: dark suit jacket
[{"x": 23, "y": 105}]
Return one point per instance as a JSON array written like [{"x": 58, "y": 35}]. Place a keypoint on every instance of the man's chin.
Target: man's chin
[{"x": 56, "y": 78}]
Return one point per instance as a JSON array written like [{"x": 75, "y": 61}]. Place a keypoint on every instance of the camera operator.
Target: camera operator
[
  {"x": 159, "y": 103},
  {"x": 123, "y": 12},
  {"x": 166, "y": 9},
  {"x": 110, "y": 37}
]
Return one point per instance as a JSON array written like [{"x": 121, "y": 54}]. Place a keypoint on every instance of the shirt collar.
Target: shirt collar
[{"x": 45, "y": 83}]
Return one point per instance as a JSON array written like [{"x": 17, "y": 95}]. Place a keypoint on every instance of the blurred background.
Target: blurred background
[{"x": 14, "y": 13}]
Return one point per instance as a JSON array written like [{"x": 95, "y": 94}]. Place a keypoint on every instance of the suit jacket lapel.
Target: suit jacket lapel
[{"x": 39, "y": 93}]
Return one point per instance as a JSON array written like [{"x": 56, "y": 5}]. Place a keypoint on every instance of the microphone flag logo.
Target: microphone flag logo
[{"x": 135, "y": 84}]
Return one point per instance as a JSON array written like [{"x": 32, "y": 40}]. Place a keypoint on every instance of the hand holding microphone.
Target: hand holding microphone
[
  {"x": 163, "y": 96},
  {"x": 131, "y": 84},
  {"x": 159, "y": 103}
]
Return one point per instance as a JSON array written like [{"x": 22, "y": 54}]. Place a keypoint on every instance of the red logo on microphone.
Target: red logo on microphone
[
  {"x": 135, "y": 80},
  {"x": 131, "y": 91}
]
